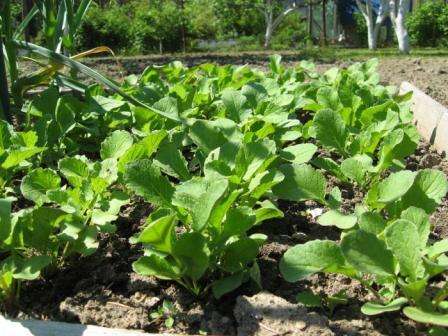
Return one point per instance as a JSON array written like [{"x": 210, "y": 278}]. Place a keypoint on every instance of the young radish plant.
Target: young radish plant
[{"x": 386, "y": 246}]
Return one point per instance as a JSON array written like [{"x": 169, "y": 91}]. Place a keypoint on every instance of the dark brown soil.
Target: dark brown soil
[{"x": 103, "y": 290}]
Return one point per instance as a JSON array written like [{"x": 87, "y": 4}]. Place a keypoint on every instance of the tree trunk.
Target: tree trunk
[
  {"x": 372, "y": 34},
  {"x": 335, "y": 21},
  {"x": 310, "y": 19},
  {"x": 268, "y": 35},
  {"x": 324, "y": 22},
  {"x": 402, "y": 34},
  {"x": 399, "y": 9}
]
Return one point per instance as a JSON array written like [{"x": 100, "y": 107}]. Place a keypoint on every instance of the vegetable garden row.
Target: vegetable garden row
[{"x": 212, "y": 150}]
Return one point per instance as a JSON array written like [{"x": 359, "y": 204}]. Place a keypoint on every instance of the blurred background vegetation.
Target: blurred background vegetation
[{"x": 134, "y": 27}]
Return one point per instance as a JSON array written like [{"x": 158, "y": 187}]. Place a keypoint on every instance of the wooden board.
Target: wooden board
[{"x": 431, "y": 117}]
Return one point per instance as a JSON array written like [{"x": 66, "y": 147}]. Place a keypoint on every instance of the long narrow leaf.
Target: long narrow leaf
[
  {"x": 80, "y": 13},
  {"x": 75, "y": 65},
  {"x": 4, "y": 94},
  {"x": 25, "y": 22}
]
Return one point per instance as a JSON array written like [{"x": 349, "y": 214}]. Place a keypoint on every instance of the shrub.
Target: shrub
[{"x": 428, "y": 25}]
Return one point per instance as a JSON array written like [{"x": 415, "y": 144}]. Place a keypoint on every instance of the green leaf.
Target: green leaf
[
  {"x": 116, "y": 145},
  {"x": 426, "y": 317},
  {"x": 238, "y": 255},
  {"x": 159, "y": 234},
  {"x": 372, "y": 222},
  {"x": 438, "y": 248},
  {"x": 301, "y": 153},
  {"x": 145, "y": 180},
  {"x": 330, "y": 129},
  {"x": 207, "y": 136},
  {"x": 357, "y": 167},
  {"x": 315, "y": 256},
  {"x": 30, "y": 268},
  {"x": 263, "y": 183},
  {"x": 171, "y": 162},
  {"x": 309, "y": 299},
  {"x": 199, "y": 196},
  {"x": 327, "y": 97},
  {"x": 143, "y": 149},
  {"x": 365, "y": 252},
  {"x": 74, "y": 169},
  {"x": 371, "y": 308},
  {"x": 421, "y": 220},
  {"x": 336, "y": 218},
  {"x": 395, "y": 186},
  {"x": 227, "y": 284},
  {"x": 402, "y": 238},
  {"x": 267, "y": 210},
  {"x": 238, "y": 221},
  {"x": 234, "y": 104},
  {"x": 155, "y": 265},
  {"x": 5, "y": 219},
  {"x": 429, "y": 188},
  {"x": 17, "y": 156},
  {"x": 301, "y": 183},
  {"x": 35, "y": 185},
  {"x": 192, "y": 251}
]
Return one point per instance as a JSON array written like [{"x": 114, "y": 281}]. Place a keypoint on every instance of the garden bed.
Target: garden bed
[{"x": 103, "y": 289}]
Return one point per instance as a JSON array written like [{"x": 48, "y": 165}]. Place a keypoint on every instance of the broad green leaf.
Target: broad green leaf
[
  {"x": 168, "y": 106},
  {"x": 238, "y": 221},
  {"x": 426, "y": 317},
  {"x": 208, "y": 136},
  {"x": 66, "y": 110},
  {"x": 227, "y": 284},
  {"x": 395, "y": 186},
  {"x": 301, "y": 153},
  {"x": 115, "y": 145},
  {"x": 421, "y": 221},
  {"x": 30, "y": 268},
  {"x": 301, "y": 183},
  {"x": 234, "y": 104},
  {"x": 145, "y": 180},
  {"x": 74, "y": 169},
  {"x": 372, "y": 222},
  {"x": 238, "y": 255},
  {"x": 327, "y": 98},
  {"x": 371, "y": 308},
  {"x": 403, "y": 239},
  {"x": 264, "y": 182},
  {"x": 338, "y": 219},
  {"x": 267, "y": 210},
  {"x": 155, "y": 265},
  {"x": 330, "y": 130},
  {"x": 254, "y": 157},
  {"x": 199, "y": 196},
  {"x": 315, "y": 256},
  {"x": 357, "y": 168},
  {"x": 171, "y": 162},
  {"x": 35, "y": 185},
  {"x": 365, "y": 252},
  {"x": 429, "y": 188},
  {"x": 142, "y": 149},
  {"x": 192, "y": 251},
  {"x": 438, "y": 248},
  {"x": 159, "y": 233},
  {"x": 17, "y": 156}
]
